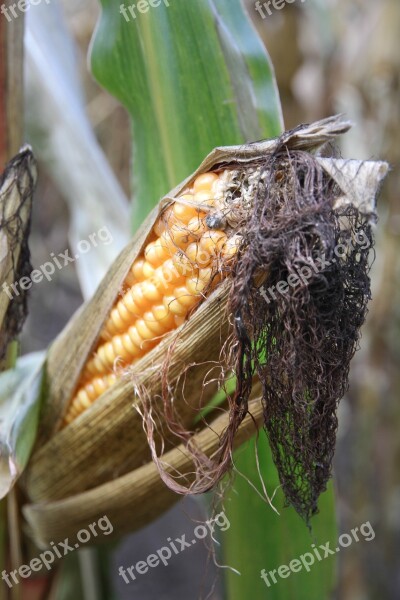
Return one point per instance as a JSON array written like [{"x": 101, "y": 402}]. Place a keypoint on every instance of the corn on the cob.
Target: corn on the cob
[
  {"x": 286, "y": 205},
  {"x": 183, "y": 260}
]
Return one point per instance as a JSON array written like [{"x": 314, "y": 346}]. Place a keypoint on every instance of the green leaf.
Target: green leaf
[
  {"x": 70, "y": 583},
  {"x": 193, "y": 76},
  {"x": 19, "y": 413},
  {"x": 259, "y": 538}
]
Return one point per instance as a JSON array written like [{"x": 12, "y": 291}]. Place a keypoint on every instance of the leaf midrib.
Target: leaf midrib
[{"x": 157, "y": 102}]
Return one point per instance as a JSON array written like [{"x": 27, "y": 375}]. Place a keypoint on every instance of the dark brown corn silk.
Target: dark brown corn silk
[{"x": 300, "y": 341}]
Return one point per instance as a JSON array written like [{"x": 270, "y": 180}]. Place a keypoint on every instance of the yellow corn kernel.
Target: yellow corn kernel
[
  {"x": 178, "y": 237},
  {"x": 148, "y": 270},
  {"x": 155, "y": 326},
  {"x": 231, "y": 246},
  {"x": 204, "y": 198},
  {"x": 130, "y": 280},
  {"x": 183, "y": 264},
  {"x": 135, "y": 337},
  {"x": 121, "y": 316},
  {"x": 197, "y": 226},
  {"x": 137, "y": 269},
  {"x": 129, "y": 346},
  {"x": 204, "y": 182},
  {"x": 185, "y": 298},
  {"x": 213, "y": 241},
  {"x": 191, "y": 252},
  {"x": 119, "y": 348},
  {"x": 156, "y": 252},
  {"x": 163, "y": 316},
  {"x": 184, "y": 212},
  {"x": 150, "y": 290},
  {"x": 195, "y": 285},
  {"x": 164, "y": 221},
  {"x": 171, "y": 303},
  {"x": 199, "y": 257},
  {"x": 83, "y": 399},
  {"x": 99, "y": 385},
  {"x": 205, "y": 274},
  {"x": 169, "y": 274},
  {"x": 143, "y": 330},
  {"x": 139, "y": 292},
  {"x": 130, "y": 302},
  {"x": 91, "y": 392}
]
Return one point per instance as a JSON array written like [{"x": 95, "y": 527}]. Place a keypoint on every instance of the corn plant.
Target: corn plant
[{"x": 186, "y": 297}]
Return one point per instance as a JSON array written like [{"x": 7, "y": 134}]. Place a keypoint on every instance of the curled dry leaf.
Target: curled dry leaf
[
  {"x": 16, "y": 191},
  {"x": 288, "y": 236}
]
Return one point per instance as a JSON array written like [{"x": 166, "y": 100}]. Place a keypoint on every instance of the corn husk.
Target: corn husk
[
  {"x": 136, "y": 498},
  {"x": 81, "y": 472}
]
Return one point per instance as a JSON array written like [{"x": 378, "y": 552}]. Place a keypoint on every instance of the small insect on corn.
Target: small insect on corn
[{"x": 186, "y": 257}]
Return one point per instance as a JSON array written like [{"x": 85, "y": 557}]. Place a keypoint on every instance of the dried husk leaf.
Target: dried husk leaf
[
  {"x": 107, "y": 441},
  {"x": 135, "y": 499},
  {"x": 16, "y": 192}
]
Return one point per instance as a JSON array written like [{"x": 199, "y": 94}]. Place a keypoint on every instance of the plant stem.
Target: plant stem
[{"x": 11, "y": 85}]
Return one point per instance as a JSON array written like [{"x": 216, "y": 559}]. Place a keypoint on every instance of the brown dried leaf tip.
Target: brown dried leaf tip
[
  {"x": 17, "y": 184},
  {"x": 296, "y": 248}
]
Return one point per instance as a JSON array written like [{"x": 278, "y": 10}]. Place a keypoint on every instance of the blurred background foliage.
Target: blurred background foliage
[{"x": 329, "y": 56}]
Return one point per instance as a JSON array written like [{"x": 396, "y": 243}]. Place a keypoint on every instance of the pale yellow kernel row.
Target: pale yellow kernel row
[{"x": 161, "y": 289}]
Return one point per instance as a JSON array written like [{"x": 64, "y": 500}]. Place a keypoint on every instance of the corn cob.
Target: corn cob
[{"x": 185, "y": 257}]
